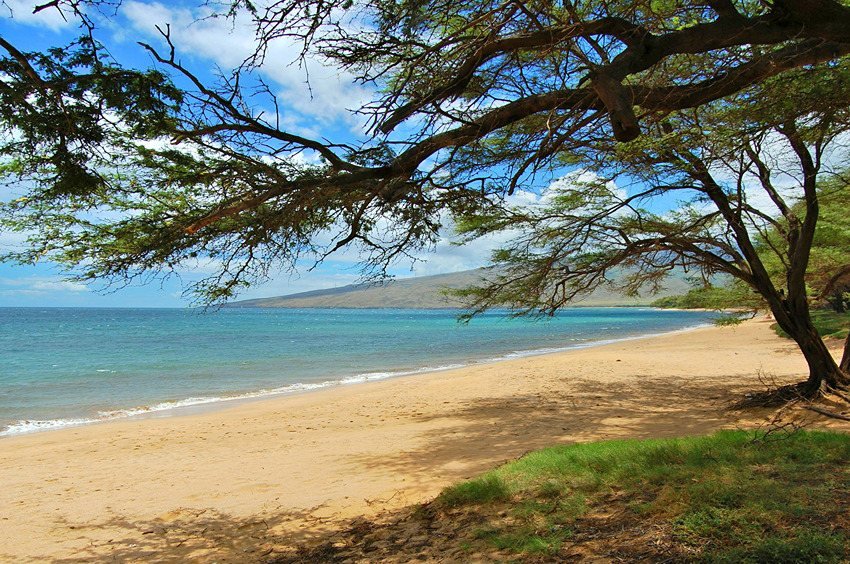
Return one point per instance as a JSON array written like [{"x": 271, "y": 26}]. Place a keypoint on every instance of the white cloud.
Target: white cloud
[
  {"x": 38, "y": 285},
  {"x": 453, "y": 258},
  {"x": 577, "y": 179},
  {"x": 228, "y": 43},
  {"x": 21, "y": 11}
]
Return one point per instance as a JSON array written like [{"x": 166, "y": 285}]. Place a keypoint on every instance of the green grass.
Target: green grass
[
  {"x": 827, "y": 322},
  {"x": 727, "y": 497}
]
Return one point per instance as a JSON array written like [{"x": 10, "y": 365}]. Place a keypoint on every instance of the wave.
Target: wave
[{"x": 26, "y": 426}]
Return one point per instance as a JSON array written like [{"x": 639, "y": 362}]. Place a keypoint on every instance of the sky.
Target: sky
[{"x": 206, "y": 44}]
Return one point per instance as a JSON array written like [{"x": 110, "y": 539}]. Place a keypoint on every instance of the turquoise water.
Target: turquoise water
[{"x": 71, "y": 366}]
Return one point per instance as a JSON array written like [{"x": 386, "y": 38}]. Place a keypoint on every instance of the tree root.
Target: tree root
[
  {"x": 774, "y": 397},
  {"x": 841, "y": 395},
  {"x": 784, "y": 397},
  {"x": 826, "y": 412}
]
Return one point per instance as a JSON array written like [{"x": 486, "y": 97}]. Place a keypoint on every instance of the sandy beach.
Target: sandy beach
[{"x": 241, "y": 483}]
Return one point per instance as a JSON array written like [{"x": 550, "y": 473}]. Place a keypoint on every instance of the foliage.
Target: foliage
[
  {"x": 700, "y": 195},
  {"x": 828, "y": 274},
  {"x": 119, "y": 174},
  {"x": 730, "y": 497},
  {"x": 828, "y": 323},
  {"x": 728, "y": 320},
  {"x": 587, "y": 229},
  {"x": 57, "y": 138},
  {"x": 733, "y": 296}
]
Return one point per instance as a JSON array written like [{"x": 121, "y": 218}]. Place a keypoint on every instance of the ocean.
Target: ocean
[{"x": 70, "y": 366}]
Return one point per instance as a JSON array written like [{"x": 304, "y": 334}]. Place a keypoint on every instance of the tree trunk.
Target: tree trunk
[
  {"x": 845, "y": 359},
  {"x": 824, "y": 372},
  {"x": 837, "y": 301}
]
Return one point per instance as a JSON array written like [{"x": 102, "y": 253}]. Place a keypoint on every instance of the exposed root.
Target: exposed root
[
  {"x": 775, "y": 395},
  {"x": 841, "y": 395},
  {"x": 826, "y": 412},
  {"x": 786, "y": 398},
  {"x": 780, "y": 396}
]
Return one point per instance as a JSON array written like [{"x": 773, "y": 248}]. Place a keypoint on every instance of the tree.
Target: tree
[
  {"x": 727, "y": 295},
  {"x": 828, "y": 276},
  {"x": 539, "y": 78},
  {"x": 122, "y": 173},
  {"x": 723, "y": 163}
]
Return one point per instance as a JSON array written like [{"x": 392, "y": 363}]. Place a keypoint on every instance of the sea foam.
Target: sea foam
[{"x": 31, "y": 426}]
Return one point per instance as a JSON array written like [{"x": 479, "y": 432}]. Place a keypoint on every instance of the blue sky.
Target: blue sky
[{"x": 320, "y": 110}]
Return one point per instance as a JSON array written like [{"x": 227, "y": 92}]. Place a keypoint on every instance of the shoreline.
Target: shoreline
[
  {"x": 203, "y": 404},
  {"x": 248, "y": 481}
]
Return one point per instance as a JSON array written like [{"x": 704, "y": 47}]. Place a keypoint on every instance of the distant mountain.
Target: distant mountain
[{"x": 426, "y": 292}]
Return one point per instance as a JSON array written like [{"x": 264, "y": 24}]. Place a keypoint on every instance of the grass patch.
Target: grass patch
[
  {"x": 827, "y": 322},
  {"x": 481, "y": 490},
  {"x": 722, "y": 498}
]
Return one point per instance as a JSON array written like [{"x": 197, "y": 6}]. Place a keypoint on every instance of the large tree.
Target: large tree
[
  {"x": 730, "y": 188},
  {"x": 828, "y": 273},
  {"x": 121, "y": 173}
]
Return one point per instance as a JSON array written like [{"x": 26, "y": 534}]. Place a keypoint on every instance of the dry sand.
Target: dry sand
[{"x": 242, "y": 483}]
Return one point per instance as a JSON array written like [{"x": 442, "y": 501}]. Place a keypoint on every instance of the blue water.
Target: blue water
[{"x": 62, "y": 367}]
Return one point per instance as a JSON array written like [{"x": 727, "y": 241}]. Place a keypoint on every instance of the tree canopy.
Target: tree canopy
[
  {"x": 122, "y": 172},
  {"x": 744, "y": 175}
]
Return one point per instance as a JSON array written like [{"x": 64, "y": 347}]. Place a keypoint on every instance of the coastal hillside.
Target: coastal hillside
[{"x": 427, "y": 292}]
